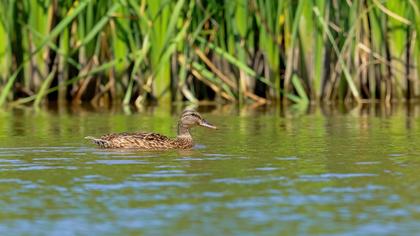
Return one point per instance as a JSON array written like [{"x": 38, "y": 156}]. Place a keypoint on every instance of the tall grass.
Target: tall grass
[{"x": 244, "y": 51}]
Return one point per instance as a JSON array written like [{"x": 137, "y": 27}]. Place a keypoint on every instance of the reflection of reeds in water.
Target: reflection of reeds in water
[{"x": 251, "y": 51}]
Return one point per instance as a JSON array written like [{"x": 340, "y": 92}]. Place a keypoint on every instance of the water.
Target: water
[{"x": 261, "y": 173}]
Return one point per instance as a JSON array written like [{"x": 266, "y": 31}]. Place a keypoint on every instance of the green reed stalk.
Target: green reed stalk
[
  {"x": 415, "y": 17},
  {"x": 140, "y": 56},
  {"x": 291, "y": 48},
  {"x": 240, "y": 28},
  {"x": 341, "y": 60},
  {"x": 44, "y": 87},
  {"x": 270, "y": 19},
  {"x": 40, "y": 21},
  {"x": 160, "y": 15},
  {"x": 5, "y": 50},
  {"x": 319, "y": 49}
]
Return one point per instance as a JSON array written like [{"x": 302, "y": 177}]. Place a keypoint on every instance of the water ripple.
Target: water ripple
[
  {"x": 168, "y": 175},
  {"x": 255, "y": 180},
  {"x": 132, "y": 184},
  {"x": 118, "y": 162},
  {"x": 266, "y": 168},
  {"x": 328, "y": 176},
  {"x": 352, "y": 189},
  {"x": 291, "y": 158},
  {"x": 368, "y": 163},
  {"x": 10, "y": 161}
]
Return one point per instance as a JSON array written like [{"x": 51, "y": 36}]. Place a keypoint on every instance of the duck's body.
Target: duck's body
[
  {"x": 142, "y": 140},
  {"x": 154, "y": 141}
]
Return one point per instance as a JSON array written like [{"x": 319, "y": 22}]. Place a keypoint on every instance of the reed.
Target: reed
[{"x": 242, "y": 51}]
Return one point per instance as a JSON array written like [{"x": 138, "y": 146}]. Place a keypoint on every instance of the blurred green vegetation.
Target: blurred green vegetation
[{"x": 244, "y": 51}]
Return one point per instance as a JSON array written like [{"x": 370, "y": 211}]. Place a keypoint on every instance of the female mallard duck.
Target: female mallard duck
[{"x": 153, "y": 141}]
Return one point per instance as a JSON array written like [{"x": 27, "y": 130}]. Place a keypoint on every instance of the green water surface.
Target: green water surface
[{"x": 261, "y": 173}]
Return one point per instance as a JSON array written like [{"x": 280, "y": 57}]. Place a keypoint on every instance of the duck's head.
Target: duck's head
[{"x": 191, "y": 118}]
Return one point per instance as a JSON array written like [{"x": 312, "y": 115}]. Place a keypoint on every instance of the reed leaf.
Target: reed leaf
[
  {"x": 300, "y": 89},
  {"x": 140, "y": 56},
  {"x": 43, "y": 90},
  {"x": 72, "y": 13},
  {"x": 235, "y": 61},
  {"x": 98, "y": 26},
  {"x": 347, "y": 75},
  {"x": 8, "y": 86}
]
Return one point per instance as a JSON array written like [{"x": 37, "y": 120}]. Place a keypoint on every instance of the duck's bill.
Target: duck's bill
[{"x": 205, "y": 123}]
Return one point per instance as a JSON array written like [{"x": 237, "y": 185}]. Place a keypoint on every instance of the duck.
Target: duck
[{"x": 153, "y": 141}]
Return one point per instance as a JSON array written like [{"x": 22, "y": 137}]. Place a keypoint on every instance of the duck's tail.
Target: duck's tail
[
  {"x": 98, "y": 141},
  {"x": 90, "y": 138}
]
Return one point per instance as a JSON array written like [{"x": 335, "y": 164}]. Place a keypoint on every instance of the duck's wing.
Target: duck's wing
[
  {"x": 142, "y": 140},
  {"x": 135, "y": 135}
]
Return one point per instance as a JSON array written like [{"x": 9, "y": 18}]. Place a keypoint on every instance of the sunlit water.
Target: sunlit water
[{"x": 261, "y": 173}]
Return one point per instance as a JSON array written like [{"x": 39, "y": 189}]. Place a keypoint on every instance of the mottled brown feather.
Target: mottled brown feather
[{"x": 142, "y": 140}]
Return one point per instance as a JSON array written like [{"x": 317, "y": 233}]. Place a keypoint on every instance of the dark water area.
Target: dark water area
[{"x": 263, "y": 172}]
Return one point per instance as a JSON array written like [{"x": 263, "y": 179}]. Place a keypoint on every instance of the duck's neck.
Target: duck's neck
[{"x": 183, "y": 132}]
